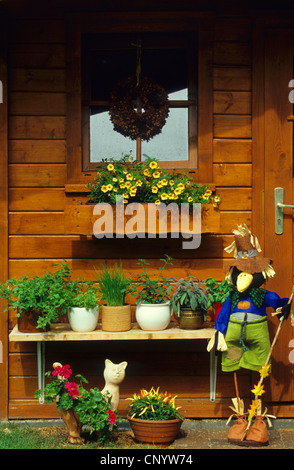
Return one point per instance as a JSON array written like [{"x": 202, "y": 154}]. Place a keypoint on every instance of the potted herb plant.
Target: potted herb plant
[
  {"x": 152, "y": 290},
  {"x": 83, "y": 310},
  {"x": 217, "y": 292},
  {"x": 153, "y": 417},
  {"x": 114, "y": 285},
  {"x": 78, "y": 406},
  {"x": 39, "y": 300},
  {"x": 190, "y": 302}
]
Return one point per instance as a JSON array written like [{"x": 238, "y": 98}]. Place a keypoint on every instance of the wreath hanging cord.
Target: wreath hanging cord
[{"x": 148, "y": 119}]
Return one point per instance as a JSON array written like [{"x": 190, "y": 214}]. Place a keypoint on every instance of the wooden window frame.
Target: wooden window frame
[{"x": 113, "y": 23}]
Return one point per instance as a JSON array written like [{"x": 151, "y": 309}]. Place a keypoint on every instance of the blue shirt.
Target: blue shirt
[{"x": 271, "y": 300}]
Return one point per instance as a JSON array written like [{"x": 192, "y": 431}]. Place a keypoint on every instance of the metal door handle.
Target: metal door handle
[{"x": 279, "y": 212}]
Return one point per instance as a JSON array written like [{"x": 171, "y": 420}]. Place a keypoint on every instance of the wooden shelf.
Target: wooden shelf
[
  {"x": 80, "y": 220},
  {"x": 63, "y": 332}
]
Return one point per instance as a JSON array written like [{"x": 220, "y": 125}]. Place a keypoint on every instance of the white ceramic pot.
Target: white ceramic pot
[
  {"x": 81, "y": 319},
  {"x": 153, "y": 317}
]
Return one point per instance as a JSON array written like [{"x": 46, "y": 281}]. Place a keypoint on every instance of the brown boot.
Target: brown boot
[
  {"x": 257, "y": 435},
  {"x": 237, "y": 431}
]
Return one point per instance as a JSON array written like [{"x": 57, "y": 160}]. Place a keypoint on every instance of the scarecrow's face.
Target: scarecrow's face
[{"x": 244, "y": 281}]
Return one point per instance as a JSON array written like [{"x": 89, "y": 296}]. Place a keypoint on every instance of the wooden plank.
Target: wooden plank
[
  {"x": 37, "y": 103},
  {"x": 37, "y": 151},
  {"x": 232, "y": 151},
  {"x": 37, "y": 55},
  {"x": 35, "y": 80},
  {"x": 3, "y": 213},
  {"x": 35, "y": 175},
  {"x": 237, "y": 29},
  {"x": 205, "y": 105},
  {"x": 234, "y": 126},
  {"x": 231, "y": 53},
  {"x": 239, "y": 199},
  {"x": 232, "y": 102},
  {"x": 41, "y": 199},
  {"x": 232, "y": 78},
  {"x": 74, "y": 246},
  {"x": 37, "y": 127},
  {"x": 36, "y": 223},
  {"x": 232, "y": 174},
  {"x": 230, "y": 220},
  {"x": 63, "y": 332},
  {"x": 37, "y": 31},
  {"x": 200, "y": 268}
]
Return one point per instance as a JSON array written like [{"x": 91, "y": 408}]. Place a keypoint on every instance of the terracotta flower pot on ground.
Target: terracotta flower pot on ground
[{"x": 155, "y": 432}]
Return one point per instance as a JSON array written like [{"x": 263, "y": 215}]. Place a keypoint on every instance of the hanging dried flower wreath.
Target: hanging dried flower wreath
[{"x": 126, "y": 116}]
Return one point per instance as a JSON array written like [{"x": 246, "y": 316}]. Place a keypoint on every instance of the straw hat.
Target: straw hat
[{"x": 245, "y": 249}]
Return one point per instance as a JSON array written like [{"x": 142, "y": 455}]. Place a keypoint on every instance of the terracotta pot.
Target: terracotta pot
[
  {"x": 73, "y": 425},
  {"x": 27, "y": 321},
  {"x": 191, "y": 319},
  {"x": 116, "y": 318},
  {"x": 155, "y": 432}
]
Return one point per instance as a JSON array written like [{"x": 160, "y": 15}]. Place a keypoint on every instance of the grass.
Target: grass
[{"x": 14, "y": 436}]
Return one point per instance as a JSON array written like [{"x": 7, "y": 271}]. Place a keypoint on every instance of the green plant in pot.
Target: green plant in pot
[
  {"x": 190, "y": 302},
  {"x": 78, "y": 406},
  {"x": 217, "y": 293},
  {"x": 153, "y": 291},
  {"x": 39, "y": 300},
  {"x": 83, "y": 310},
  {"x": 153, "y": 417},
  {"x": 114, "y": 286}
]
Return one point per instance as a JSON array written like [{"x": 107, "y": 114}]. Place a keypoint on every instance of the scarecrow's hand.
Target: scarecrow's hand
[
  {"x": 217, "y": 342},
  {"x": 285, "y": 311}
]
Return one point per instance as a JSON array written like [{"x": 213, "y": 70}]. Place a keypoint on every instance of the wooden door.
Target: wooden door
[{"x": 278, "y": 166}]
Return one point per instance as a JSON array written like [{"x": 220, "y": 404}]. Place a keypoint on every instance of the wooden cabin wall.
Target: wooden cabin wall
[{"x": 37, "y": 178}]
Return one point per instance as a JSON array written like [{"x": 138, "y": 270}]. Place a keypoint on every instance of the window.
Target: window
[{"x": 170, "y": 60}]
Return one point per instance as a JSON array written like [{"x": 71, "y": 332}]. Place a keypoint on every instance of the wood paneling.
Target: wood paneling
[{"x": 39, "y": 140}]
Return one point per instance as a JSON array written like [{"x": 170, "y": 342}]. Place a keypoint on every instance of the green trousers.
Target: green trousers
[{"x": 248, "y": 344}]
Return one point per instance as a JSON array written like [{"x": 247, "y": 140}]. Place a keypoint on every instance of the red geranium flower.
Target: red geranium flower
[
  {"x": 112, "y": 416},
  {"x": 72, "y": 389}
]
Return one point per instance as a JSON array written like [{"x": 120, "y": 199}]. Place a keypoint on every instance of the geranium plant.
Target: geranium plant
[
  {"x": 151, "y": 288},
  {"x": 92, "y": 407},
  {"x": 146, "y": 182},
  {"x": 153, "y": 405}
]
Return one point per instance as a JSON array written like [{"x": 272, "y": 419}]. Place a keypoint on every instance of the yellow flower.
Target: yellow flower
[
  {"x": 129, "y": 177},
  {"x": 171, "y": 182},
  {"x": 125, "y": 195},
  {"x": 159, "y": 184},
  {"x": 127, "y": 184},
  {"x": 110, "y": 167},
  {"x": 109, "y": 187},
  {"x": 115, "y": 190},
  {"x": 156, "y": 174},
  {"x": 122, "y": 185},
  {"x": 258, "y": 390},
  {"x": 153, "y": 165},
  {"x": 178, "y": 191},
  {"x": 139, "y": 183},
  {"x": 208, "y": 193},
  {"x": 264, "y": 371},
  {"x": 154, "y": 189},
  {"x": 252, "y": 409},
  {"x": 190, "y": 199},
  {"x": 181, "y": 186},
  {"x": 164, "y": 182},
  {"x": 125, "y": 171},
  {"x": 114, "y": 179},
  {"x": 146, "y": 172},
  {"x": 157, "y": 201},
  {"x": 121, "y": 180},
  {"x": 164, "y": 196},
  {"x": 104, "y": 188}
]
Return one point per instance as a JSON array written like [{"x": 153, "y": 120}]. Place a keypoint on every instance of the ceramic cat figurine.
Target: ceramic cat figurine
[{"x": 114, "y": 374}]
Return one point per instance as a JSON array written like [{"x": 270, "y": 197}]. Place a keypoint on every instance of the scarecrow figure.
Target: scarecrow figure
[{"x": 242, "y": 330}]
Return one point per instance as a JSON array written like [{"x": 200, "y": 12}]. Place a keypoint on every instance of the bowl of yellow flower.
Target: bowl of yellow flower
[{"x": 154, "y": 417}]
